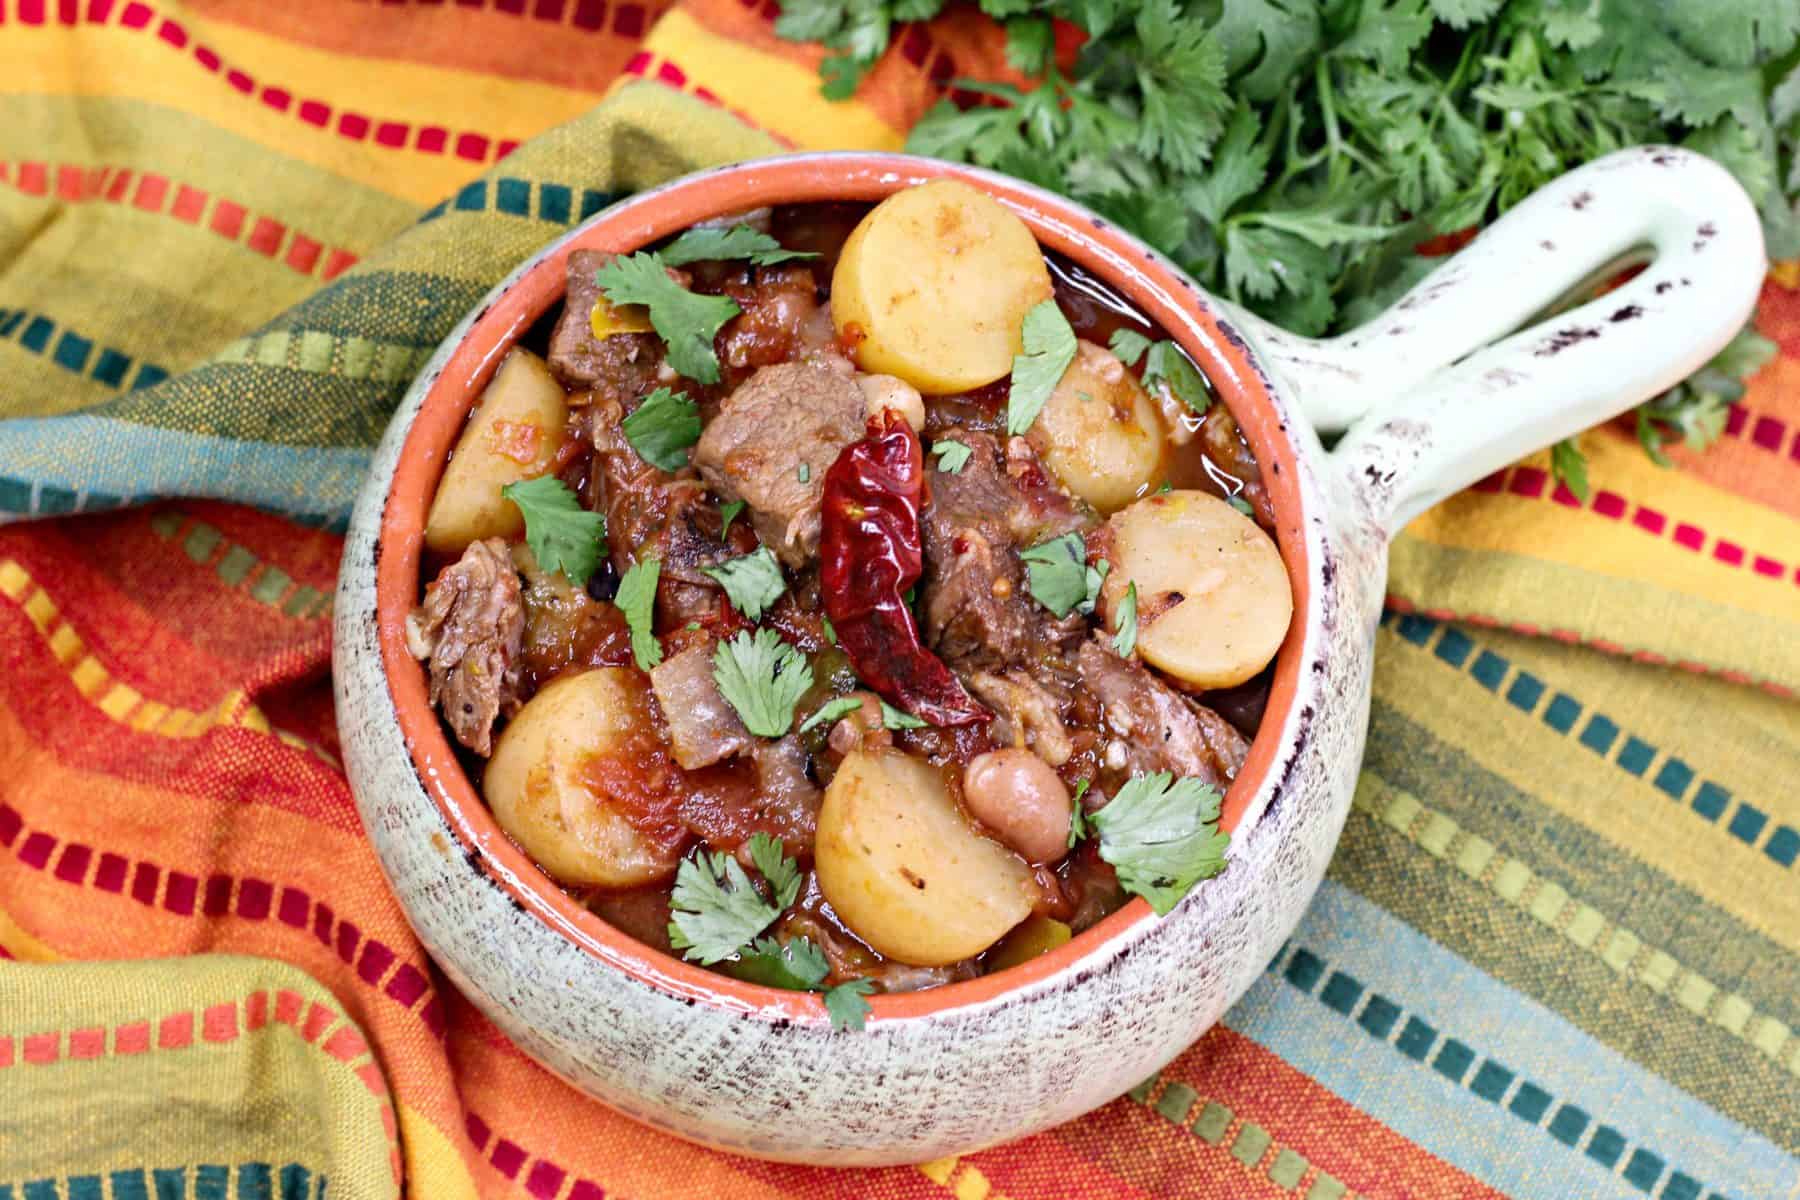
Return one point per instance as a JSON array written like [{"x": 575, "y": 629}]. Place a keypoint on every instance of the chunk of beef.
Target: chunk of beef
[
  {"x": 976, "y": 603},
  {"x": 703, "y": 727},
  {"x": 788, "y": 796},
  {"x": 771, "y": 444},
  {"x": 652, "y": 512},
  {"x": 1153, "y": 726},
  {"x": 468, "y": 632},
  {"x": 620, "y": 367}
]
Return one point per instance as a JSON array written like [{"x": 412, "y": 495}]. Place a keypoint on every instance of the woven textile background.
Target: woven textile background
[{"x": 1558, "y": 954}]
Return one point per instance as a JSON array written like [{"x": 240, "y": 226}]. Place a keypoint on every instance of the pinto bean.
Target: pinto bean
[{"x": 1019, "y": 797}]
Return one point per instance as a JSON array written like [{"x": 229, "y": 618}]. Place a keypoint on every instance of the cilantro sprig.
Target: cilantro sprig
[
  {"x": 636, "y": 598},
  {"x": 1058, "y": 575},
  {"x": 1049, "y": 349},
  {"x": 951, "y": 456},
  {"x": 686, "y": 321},
  {"x": 739, "y": 241},
  {"x": 1165, "y": 366},
  {"x": 763, "y": 678},
  {"x": 662, "y": 428},
  {"x": 715, "y": 910},
  {"x": 563, "y": 535},
  {"x": 1161, "y": 835},
  {"x": 1296, "y": 155},
  {"x": 753, "y": 582}
]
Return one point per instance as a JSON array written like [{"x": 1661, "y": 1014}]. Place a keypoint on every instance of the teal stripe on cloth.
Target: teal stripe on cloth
[
  {"x": 126, "y": 459},
  {"x": 1418, "y": 1038},
  {"x": 210, "y": 1181}
]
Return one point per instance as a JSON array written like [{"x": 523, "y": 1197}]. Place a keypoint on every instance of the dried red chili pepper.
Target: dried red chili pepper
[{"x": 870, "y": 554}]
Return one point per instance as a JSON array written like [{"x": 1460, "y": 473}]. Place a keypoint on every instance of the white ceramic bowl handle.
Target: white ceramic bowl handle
[{"x": 1458, "y": 378}]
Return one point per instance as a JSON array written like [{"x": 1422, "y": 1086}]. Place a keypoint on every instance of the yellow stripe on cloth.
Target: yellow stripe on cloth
[
  {"x": 434, "y": 1168},
  {"x": 113, "y": 61},
  {"x": 773, "y": 92},
  {"x": 118, "y": 700},
  {"x": 21, "y": 945},
  {"x": 1723, "y": 733}
]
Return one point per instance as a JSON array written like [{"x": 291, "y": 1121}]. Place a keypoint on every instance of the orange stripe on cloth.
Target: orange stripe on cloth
[
  {"x": 128, "y": 880},
  {"x": 179, "y": 38},
  {"x": 156, "y": 193},
  {"x": 1758, "y": 455},
  {"x": 581, "y": 44}
]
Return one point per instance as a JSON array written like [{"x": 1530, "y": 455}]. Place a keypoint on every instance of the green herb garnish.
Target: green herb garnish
[
  {"x": 845, "y": 1005},
  {"x": 952, "y": 457},
  {"x": 662, "y": 428},
  {"x": 686, "y": 321},
  {"x": 1125, "y": 641},
  {"x": 727, "y": 514},
  {"x": 716, "y": 245},
  {"x": 753, "y": 582},
  {"x": 831, "y": 710},
  {"x": 762, "y": 677},
  {"x": 1162, "y": 836},
  {"x": 563, "y": 535},
  {"x": 1049, "y": 349},
  {"x": 636, "y": 598}
]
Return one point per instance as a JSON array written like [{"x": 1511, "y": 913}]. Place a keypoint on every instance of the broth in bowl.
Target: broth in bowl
[{"x": 852, "y": 598}]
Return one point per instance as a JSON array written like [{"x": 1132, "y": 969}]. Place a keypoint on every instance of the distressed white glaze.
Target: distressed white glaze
[{"x": 921, "y": 1087}]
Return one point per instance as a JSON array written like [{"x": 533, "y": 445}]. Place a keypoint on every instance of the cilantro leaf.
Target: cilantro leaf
[
  {"x": 662, "y": 428},
  {"x": 952, "y": 457},
  {"x": 636, "y": 598},
  {"x": 762, "y": 677},
  {"x": 893, "y": 718},
  {"x": 1161, "y": 835},
  {"x": 1569, "y": 465},
  {"x": 1125, "y": 641},
  {"x": 753, "y": 581},
  {"x": 797, "y": 965},
  {"x": 739, "y": 241},
  {"x": 1056, "y": 572},
  {"x": 1049, "y": 349},
  {"x": 845, "y": 1004},
  {"x": 830, "y": 711},
  {"x": 1128, "y": 345},
  {"x": 1242, "y": 505},
  {"x": 714, "y": 909},
  {"x": 727, "y": 514},
  {"x": 563, "y": 535},
  {"x": 1166, "y": 366},
  {"x": 685, "y": 320},
  {"x": 826, "y": 629},
  {"x": 1078, "y": 816},
  {"x": 782, "y": 872}
]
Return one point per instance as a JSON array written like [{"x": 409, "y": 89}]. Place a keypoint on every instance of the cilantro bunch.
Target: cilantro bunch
[{"x": 1292, "y": 155}]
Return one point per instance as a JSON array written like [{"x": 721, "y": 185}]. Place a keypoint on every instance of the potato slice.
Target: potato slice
[
  {"x": 538, "y": 787},
  {"x": 1213, "y": 596},
  {"x": 936, "y": 281},
  {"x": 906, "y": 870},
  {"x": 515, "y": 433},
  {"x": 1099, "y": 432}
]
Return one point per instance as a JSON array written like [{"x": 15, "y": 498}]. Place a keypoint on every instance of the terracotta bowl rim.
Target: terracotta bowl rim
[{"x": 470, "y": 355}]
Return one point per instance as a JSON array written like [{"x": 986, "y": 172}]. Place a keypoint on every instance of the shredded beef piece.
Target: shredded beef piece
[
  {"x": 784, "y": 422},
  {"x": 1028, "y": 710},
  {"x": 468, "y": 631},
  {"x": 703, "y": 727},
  {"x": 621, "y": 367},
  {"x": 650, "y": 512},
  {"x": 1156, "y": 727}
]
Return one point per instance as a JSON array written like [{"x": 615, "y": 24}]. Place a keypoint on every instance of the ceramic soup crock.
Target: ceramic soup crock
[{"x": 1462, "y": 376}]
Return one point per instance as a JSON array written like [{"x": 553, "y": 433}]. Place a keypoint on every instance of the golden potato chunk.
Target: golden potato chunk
[
  {"x": 906, "y": 870},
  {"x": 1099, "y": 432},
  {"x": 543, "y": 792},
  {"x": 1213, "y": 595},
  {"x": 515, "y": 433},
  {"x": 933, "y": 286}
]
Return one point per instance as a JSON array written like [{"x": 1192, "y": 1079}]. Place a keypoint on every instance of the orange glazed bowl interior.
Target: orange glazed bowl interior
[{"x": 1114, "y": 257}]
